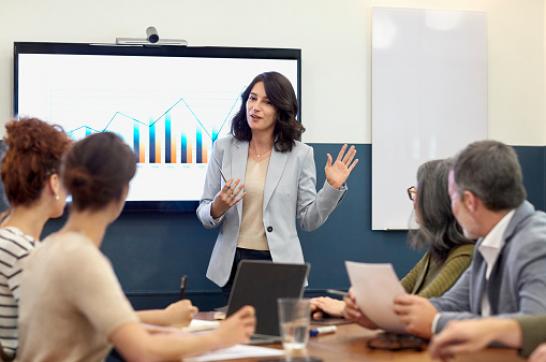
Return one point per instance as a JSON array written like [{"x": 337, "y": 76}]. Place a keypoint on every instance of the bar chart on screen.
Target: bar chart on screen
[{"x": 177, "y": 135}]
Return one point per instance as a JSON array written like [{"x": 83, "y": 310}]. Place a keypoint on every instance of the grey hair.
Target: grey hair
[
  {"x": 491, "y": 171},
  {"x": 438, "y": 229}
]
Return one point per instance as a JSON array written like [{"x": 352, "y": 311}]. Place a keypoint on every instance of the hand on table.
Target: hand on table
[
  {"x": 539, "y": 354},
  {"x": 473, "y": 335},
  {"x": 330, "y": 306},
  {"x": 180, "y": 313},
  {"x": 238, "y": 328}
]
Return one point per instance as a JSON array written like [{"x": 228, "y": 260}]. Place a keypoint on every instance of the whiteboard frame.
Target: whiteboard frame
[{"x": 429, "y": 98}]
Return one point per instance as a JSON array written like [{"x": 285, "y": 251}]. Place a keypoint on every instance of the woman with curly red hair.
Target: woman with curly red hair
[{"x": 30, "y": 173}]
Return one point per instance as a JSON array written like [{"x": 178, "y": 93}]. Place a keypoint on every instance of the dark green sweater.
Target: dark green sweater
[
  {"x": 533, "y": 328},
  {"x": 429, "y": 278}
]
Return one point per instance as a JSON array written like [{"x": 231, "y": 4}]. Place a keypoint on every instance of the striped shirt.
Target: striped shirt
[{"x": 14, "y": 248}]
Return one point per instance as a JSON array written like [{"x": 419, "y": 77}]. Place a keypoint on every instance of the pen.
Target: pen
[
  {"x": 337, "y": 292},
  {"x": 221, "y": 174},
  {"x": 322, "y": 330},
  {"x": 183, "y": 285},
  {"x": 220, "y": 169}
]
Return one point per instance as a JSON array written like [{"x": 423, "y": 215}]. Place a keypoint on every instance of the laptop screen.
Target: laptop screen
[{"x": 260, "y": 284}]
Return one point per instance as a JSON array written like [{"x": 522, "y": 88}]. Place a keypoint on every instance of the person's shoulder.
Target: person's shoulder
[
  {"x": 528, "y": 239},
  {"x": 226, "y": 141},
  {"x": 538, "y": 217},
  {"x": 14, "y": 242},
  {"x": 526, "y": 214},
  {"x": 533, "y": 224},
  {"x": 461, "y": 250},
  {"x": 74, "y": 247},
  {"x": 225, "y": 144},
  {"x": 301, "y": 148},
  {"x": 299, "y": 145}
]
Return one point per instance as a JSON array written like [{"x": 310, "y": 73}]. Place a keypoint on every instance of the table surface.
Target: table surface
[{"x": 349, "y": 344}]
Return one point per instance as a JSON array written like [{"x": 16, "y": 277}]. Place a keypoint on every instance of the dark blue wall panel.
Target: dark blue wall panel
[
  {"x": 533, "y": 165},
  {"x": 150, "y": 251}
]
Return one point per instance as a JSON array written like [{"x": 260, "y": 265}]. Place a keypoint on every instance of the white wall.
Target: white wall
[{"x": 334, "y": 37}]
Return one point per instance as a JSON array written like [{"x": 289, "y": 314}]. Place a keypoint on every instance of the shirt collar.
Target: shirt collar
[
  {"x": 493, "y": 242},
  {"x": 494, "y": 239}
]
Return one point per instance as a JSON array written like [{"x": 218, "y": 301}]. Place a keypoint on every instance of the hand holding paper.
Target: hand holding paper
[
  {"x": 375, "y": 286},
  {"x": 353, "y": 313},
  {"x": 417, "y": 313}
]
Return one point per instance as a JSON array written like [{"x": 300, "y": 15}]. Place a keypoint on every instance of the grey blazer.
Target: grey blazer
[
  {"x": 517, "y": 284},
  {"x": 289, "y": 194}
]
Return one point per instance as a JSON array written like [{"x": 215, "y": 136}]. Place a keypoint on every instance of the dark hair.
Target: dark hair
[
  {"x": 491, "y": 171},
  {"x": 438, "y": 229},
  {"x": 34, "y": 152},
  {"x": 281, "y": 94},
  {"x": 97, "y": 169}
]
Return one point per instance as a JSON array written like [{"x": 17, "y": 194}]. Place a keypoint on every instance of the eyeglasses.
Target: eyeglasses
[{"x": 412, "y": 192}]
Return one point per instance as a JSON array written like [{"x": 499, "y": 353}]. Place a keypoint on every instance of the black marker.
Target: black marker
[{"x": 183, "y": 285}]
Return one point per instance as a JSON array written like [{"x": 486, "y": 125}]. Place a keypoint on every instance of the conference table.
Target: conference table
[{"x": 349, "y": 344}]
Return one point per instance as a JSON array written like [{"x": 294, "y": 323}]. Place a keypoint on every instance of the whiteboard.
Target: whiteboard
[{"x": 429, "y": 98}]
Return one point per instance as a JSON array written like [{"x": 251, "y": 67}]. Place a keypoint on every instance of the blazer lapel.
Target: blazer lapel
[
  {"x": 238, "y": 168},
  {"x": 275, "y": 169},
  {"x": 478, "y": 285},
  {"x": 494, "y": 284}
]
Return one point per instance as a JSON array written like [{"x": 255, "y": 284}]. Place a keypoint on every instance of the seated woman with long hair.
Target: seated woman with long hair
[
  {"x": 448, "y": 252},
  {"x": 72, "y": 306}
]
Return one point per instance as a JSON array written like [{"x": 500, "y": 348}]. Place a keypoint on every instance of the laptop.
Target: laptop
[{"x": 260, "y": 284}]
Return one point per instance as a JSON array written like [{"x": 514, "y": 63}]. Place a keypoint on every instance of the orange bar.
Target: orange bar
[
  {"x": 205, "y": 154},
  {"x": 141, "y": 154},
  {"x": 157, "y": 150},
  {"x": 173, "y": 150},
  {"x": 189, "y": 154}
]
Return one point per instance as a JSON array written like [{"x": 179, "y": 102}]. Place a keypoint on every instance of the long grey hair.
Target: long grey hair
[{"x": 438, "y": 230}]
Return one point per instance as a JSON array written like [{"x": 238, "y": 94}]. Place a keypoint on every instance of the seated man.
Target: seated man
[{"x": 508, "y": 270}]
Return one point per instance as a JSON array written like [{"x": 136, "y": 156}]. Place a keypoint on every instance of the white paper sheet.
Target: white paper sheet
[
  {"x": 198, "y": 325},
  {"x": 235, "y": 352},
  {"x": 375, "y": 286}
]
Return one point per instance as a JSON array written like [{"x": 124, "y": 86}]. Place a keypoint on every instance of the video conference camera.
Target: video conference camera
[
  {"x": 152, "y": 35},
  {"x": 152, "y": 39}
]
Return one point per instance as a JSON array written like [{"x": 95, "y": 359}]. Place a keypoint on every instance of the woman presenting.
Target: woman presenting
[{"x": 261, "y": 179}]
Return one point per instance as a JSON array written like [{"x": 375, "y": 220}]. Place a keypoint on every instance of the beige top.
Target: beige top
[
  {"x": 71, "y": 301},
  {"x": 252, "y": 231}
]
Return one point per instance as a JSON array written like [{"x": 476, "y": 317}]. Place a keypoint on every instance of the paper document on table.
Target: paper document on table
[
  {"x": 198, "y": 325},
  {"x": 236, "y": 352},
  {"x": 375, "y": 286}
]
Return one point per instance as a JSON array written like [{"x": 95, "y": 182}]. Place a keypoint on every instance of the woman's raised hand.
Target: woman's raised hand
[
  {"x": 229, "y": 195},
  {"x": 337, "y": 172}
]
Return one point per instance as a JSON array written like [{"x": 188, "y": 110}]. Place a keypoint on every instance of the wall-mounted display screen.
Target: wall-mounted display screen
[{"x": 170, "y": 104}]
